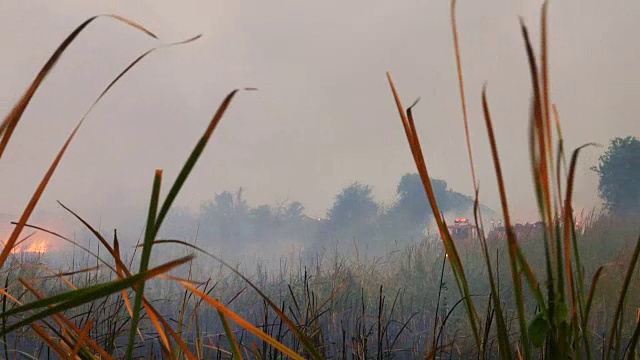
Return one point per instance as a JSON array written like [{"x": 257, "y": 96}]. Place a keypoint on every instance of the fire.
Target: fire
[{"x": 37, "y": 246}]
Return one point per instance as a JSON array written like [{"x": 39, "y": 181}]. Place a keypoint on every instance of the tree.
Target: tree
[
  {"x": 354, "y": 212},
  {"x": 412, "y": 200},
  {"x": 619, "y": 172},
  {"x": 225, "y": 217}
]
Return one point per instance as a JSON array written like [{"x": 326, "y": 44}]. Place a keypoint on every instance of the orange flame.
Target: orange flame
[{"x": 37, "y": 246}]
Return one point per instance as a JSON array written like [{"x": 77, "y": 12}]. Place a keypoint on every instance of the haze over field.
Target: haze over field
[{"x": 324, "y": 115}]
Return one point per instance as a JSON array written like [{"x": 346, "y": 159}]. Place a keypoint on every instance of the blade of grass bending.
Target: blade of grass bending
[
  {"x": 120, "y": 272},
  {"x": 183, "y": 346},
  {"x": 68, "y": 300},
  {"x": 240, "y": 321},
  {"x": 34, "y": 199},
  {"x": 544, "y": 54},
  {"x": 133, "y": 64},
  {"x": 621, "y": 298},
  {"x": 19, "y": 111},
  {"x": 456, "y": 264},
  {"x": 503, "y": 335},
  {"x": 62, "y": 297},
  {"x": 633, "y": 343},
  {"x": 463, "y": 103},
  {"x": 511, "y": 238},
  {"x": 568, "y": 225},
  {"x": 74, "y": 336},
  {"x": 11, "y": 120},
  {"x": 145, "y": 258},
  {"x": 192, "y": 159},
  {"x": 307, "y": 344},
  {"x": 61, "y": 319},
  {"x": 237, "y": 354},
  {"x": 541, "y": 181},
  {"x": 592, "y": 292}
]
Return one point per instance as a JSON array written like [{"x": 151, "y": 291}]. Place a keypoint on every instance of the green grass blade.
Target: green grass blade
[
  {"x": 305, "y": 341},
  {"x": 503, "y": 333},
  {"x": 621, "y": 299},
  {"x": 191, "y": 161},
  {"x": 145, "y": 257},
  {"x": 79, "y": 297},
  {"x": 237, "y": 354}
]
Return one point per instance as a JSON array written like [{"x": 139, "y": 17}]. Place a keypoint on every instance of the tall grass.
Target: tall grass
[
  {"x": 560, "y": 325},
  {"x": 396, "y": 306}
]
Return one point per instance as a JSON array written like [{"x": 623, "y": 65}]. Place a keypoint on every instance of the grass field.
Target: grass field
[{"x": 571, "y": 292}]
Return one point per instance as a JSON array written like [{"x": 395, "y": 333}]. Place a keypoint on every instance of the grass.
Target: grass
[{"x": 562, "y": 295}]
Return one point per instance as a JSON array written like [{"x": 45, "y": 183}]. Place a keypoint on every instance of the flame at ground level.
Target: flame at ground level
[{"x": 37, "y": 246}]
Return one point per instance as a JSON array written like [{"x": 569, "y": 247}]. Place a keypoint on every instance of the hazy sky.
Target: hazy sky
[{"x": 324, "y": 115}]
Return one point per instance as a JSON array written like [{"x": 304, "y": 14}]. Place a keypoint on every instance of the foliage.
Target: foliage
[
  {"x": 619, "y": 172},
  {"x": 340, "y": 306}
]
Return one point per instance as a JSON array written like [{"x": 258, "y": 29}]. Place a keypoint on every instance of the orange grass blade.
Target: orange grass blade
[
  {"x": 18, "y": 110},
  {"x": 183, "y": 346},
  {"x": 11, "y": 120},
  {"x": 34, "y": 200},
  {"x": 83, "y": 336},
  {"x": 414, "y": 144},
  {"x": 64, "y": 321},
  {"x": 511, "y": 238},
  {"x": 306, "y": 342},
  {"x": 240, "y": 321},
  {"x": 463, "y": 103}
]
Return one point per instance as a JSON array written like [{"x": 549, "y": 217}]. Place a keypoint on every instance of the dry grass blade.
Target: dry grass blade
[
  {"x": 502, "y": 332},
  {"x": 159, "y": 320},
  {"x": 34, "y": 200},
  {"x": 83, "y": 336},
  {"x": 130, "y": 66},
  {"x": 17, "y": 112},
  {"x": 306, "y": 342},
  {"x": 75, "y": 298},
  {"x": 64, "y": 354},
  {"x": 458, "y": 270},
  {"x": 623, "y": 294},
  {"x": 538, "y": 153},
  {"x": 544, "y": 52},
  {"x": 64, "y": 321},
  {"x": 11, "y": 120},
  {"x": 592, "y": 292},
  {"x": 463, "y": 102},
  {"x": 240, "y": 321},
  {"x": 630, "y": 351},
  {"x": 511, "y": 238},
  {"x": 568, "y": 222}
]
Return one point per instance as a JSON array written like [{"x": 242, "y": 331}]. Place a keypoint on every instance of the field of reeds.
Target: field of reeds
[{"x": 569, "y": 292}]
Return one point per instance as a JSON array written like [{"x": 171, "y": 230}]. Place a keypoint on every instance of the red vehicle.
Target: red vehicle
[{"x": 463, "y": 231}]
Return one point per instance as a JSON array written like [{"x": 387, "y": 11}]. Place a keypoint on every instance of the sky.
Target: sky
[{"x": 323, "y": 116}]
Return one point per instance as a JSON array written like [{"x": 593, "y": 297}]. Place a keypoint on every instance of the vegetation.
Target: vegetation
[
  {"x": 538, "y": 297},
  {"x": 619, "y": 171}
]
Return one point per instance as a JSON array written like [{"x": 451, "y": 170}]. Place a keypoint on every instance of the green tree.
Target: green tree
[
  {"x": 354, "y": 212},
  {"x": 619, "y": 172}
]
